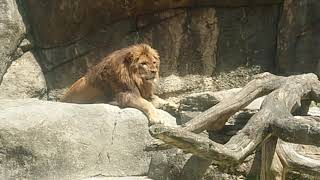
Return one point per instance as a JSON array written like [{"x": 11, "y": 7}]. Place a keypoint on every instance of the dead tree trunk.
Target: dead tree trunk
[{"x": 274, "y": 119}]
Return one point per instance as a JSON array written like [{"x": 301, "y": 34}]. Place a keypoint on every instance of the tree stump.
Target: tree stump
[{"x": 273, "y": 126}]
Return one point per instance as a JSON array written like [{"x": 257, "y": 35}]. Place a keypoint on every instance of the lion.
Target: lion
[{"x": 127, "y": 76}]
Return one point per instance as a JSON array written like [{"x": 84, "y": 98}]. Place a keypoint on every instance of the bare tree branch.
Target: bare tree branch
[
  {"x": 273, "y": 119},
  {"x": 296, "y": 162},
  {"x": 215, "y": 117},
  {"x": 301, "y": 130}
]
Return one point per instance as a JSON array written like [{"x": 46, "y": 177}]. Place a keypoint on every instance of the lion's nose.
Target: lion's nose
[{"x": 153, "y": 71}]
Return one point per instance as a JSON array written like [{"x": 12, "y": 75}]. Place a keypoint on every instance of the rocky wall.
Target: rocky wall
[
  {"x": 299, "y": 37},
  {"x": 71, "y": 36}
]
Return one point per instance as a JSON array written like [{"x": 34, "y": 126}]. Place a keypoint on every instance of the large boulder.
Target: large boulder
[
  {"x": 50, "y": 140},
  {"x": 12, "y": 31},
  {"x": 23, "y": 79}
]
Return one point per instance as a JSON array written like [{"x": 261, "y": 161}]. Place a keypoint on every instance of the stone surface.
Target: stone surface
[
  {"x": 173, "y": 164},
  {"x": 167, "y": 165},
  {"x": 204, "y": 100},
  {"x": 177, "y": 28},
  {"x": 175, "y": 85},
  {"x": 24, "y": 79},
  {"x": 49, "y": 140},
  {"x": 76, "y": 18},
  {"x": 299, "y": 37},
  {"x": 26, "y": 45},
  {"x": 247, "y": 37},
  {"x": 12, "y": 31},
  {"x": 314, "y": 111}
]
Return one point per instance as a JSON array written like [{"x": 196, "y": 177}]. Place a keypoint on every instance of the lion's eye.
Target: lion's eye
[{"x": 154, "y": 62}]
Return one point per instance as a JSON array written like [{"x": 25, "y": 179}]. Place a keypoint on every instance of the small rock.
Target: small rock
[
  {"x": 314, "y": 111},
  {"x": 204, "y": 100},
  {"x": 24, "y": 79},
  {"x": 167, "y": 165},
  {"x": 25, "y": 45}
]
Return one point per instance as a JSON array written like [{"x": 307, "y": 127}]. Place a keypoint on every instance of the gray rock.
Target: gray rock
[
  {"x": 204, "y": 100},
  {"x": 24, "y": 79},
  {"x": 49, "y": 140},
  {"x": 175, "y": 165},
  {"x": 314, "y": 111},
  {"x": 26, "y": 45},
  {"x": 12, "y": 31},
  {"x": 56, "y": 94},
  {"x": 167, "y": 165},
  {"x": 175, "y": 85}
]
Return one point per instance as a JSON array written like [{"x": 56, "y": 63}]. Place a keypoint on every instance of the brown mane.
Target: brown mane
[{"x": 114, "y": 68}]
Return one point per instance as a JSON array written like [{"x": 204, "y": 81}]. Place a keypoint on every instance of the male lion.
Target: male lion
[{"x": 127, "y": 75}]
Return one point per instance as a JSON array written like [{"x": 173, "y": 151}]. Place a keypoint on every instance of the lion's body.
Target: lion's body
[
  {"x": 81, "y": 92},
  {"x": 127, "y": 75}
]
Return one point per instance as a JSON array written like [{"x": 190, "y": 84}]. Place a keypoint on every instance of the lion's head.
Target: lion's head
[
  {"x": 143, "y": 62},
  {"x": 127, "y": 68}
]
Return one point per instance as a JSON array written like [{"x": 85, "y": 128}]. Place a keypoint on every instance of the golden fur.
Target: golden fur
[{"x": 127, "y": 76}]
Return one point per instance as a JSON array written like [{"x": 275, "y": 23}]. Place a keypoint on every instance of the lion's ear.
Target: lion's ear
[{"x": 128, "y": 58}]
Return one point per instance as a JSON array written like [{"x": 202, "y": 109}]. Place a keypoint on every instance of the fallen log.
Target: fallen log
[{"x": 274, "y": 119}]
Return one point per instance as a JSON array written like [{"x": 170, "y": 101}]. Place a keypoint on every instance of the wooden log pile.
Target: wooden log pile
[{"x": 274, "y": 127}]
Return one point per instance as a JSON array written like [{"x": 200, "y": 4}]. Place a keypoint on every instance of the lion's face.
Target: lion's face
[
  {"x": 146, "y": 63},
  {"x": 148, "y": 68}
]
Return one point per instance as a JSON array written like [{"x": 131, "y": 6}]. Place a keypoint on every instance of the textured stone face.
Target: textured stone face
[
  {"x": 299, "y": 37},
  {"x": 186, "y": 39},
  {"x": 46, "y": 140},
  {"x": 12, "y": 31},
  {"x": 202, "y": 40},
  {"x": 73, "y": 19},
  {"x": 24, "y": 79},
  {"x": 247, "y": 37}
]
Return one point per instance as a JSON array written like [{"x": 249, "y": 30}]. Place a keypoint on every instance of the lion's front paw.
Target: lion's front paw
[
  {"x": 158, "y": 102},
  {"x": 155, "y": 119}
]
